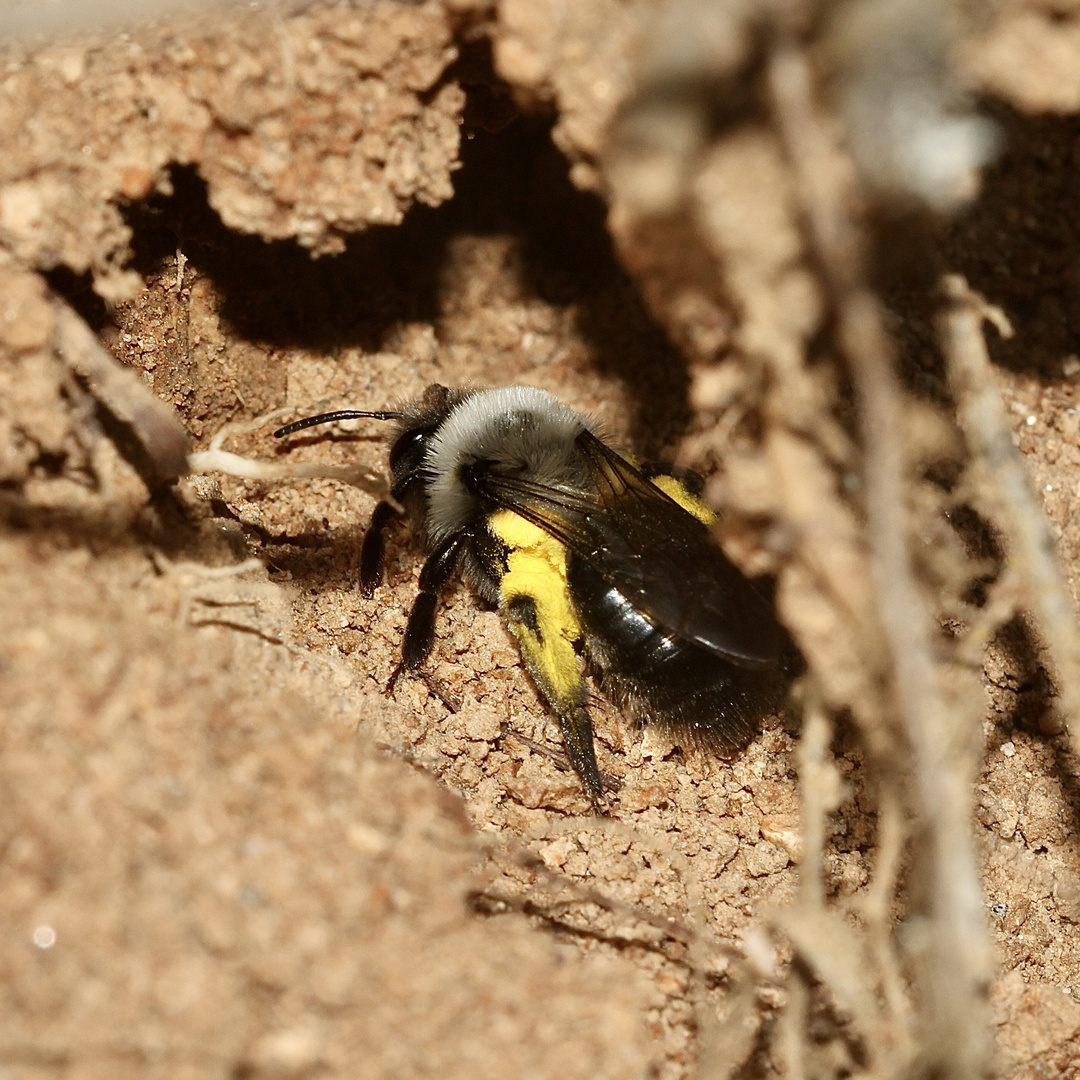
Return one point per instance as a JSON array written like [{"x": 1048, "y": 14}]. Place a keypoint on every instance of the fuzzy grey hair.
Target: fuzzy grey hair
[{"x": 517, "y": 425}]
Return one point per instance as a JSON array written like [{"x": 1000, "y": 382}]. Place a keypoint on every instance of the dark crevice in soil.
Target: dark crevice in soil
[
  {"x": 78, "y": 291},
  {"x": 512, "y": 183},
  {"x": 1033, "y": 690},
  {"x": 275, "y": 292},
  {"x": 1013, "y": 244},
  {"x": 1016, "y": 244}
]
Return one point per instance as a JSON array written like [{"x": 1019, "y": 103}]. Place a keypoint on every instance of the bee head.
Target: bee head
[
  {"x": 508, "y": 431},
  {"x": 449, "y": 442}
]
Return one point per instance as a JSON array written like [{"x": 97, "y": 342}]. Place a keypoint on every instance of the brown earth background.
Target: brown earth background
[{"x": 224, "y": 851}]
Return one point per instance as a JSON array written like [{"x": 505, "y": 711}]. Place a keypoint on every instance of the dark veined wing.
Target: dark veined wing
[{"x": 657, "y": 554}]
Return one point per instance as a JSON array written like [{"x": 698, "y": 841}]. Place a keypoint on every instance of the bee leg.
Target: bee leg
[
  {"x": 371, "y": 550},
  {"x": 547, "y": 651},
  {"x": 577, "y": 736},
  {"x": 420, "y": 629}
]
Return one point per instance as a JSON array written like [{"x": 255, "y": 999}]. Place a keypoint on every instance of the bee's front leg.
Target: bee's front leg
[
  {"x": 373, "y": 547},
  {"x": 420, "y": 629},
  {"x": 371, "y": 550}
]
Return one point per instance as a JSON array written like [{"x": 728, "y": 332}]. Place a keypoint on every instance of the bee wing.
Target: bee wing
[{"x": 657, "y": 554}]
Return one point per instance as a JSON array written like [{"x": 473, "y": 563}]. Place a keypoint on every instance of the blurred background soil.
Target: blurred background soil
[{"x": 224, "y": 851}]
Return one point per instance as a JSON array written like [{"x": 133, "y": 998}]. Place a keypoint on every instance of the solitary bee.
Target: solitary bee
[{"x": 587, "y": 555}]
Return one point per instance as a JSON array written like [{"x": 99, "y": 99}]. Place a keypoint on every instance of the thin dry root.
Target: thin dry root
[
  {"x": 215, "y": 459},
  {"x": 953, "y": 968},
  {"x": 1015, "y": 508}
]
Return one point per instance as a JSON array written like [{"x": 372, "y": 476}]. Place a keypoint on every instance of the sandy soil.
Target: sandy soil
[{"x": 224, "y": 851}]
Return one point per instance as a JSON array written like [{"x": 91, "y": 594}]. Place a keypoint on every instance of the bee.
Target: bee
[{"x": 592, "y": 560}]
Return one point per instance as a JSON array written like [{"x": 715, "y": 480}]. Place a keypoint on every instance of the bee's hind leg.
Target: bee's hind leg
[
  {"x": 577, "y": 736},
  {"x": 548, "y": 653}
]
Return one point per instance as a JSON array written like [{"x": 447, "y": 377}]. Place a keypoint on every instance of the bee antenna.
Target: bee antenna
[{"x": 331, "y": 417}]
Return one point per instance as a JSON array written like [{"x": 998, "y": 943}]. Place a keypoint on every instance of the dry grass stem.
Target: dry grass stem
[
  {"x": 820, "y": 794},
  {"x": 877, "y": 912}
]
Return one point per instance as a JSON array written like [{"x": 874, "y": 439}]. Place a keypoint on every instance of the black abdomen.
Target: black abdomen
[{"x": 662, "y": 678}]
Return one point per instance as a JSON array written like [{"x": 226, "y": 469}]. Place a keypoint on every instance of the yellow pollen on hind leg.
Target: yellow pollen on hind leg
[{"x": 536, "y": 569}]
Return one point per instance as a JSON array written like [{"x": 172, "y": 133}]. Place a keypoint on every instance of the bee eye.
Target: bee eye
[{"x": 408, "y": 444}]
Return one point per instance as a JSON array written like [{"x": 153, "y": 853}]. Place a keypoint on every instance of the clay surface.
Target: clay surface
[{"x": 224, "y": 851}]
